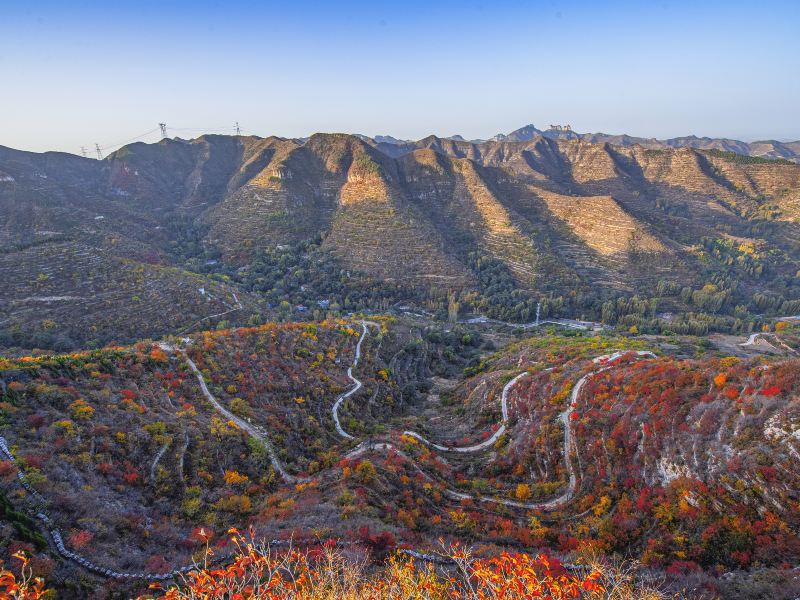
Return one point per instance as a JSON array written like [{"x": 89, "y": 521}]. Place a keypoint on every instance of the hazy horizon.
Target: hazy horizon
[
  {"x": 103, "y": 74},
  {"x": 155, "y": 137}
]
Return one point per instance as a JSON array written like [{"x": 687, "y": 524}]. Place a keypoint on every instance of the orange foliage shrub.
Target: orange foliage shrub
[
  {"x": 80, "y": 539},
  {"x": 235, "y": 478},
  {"x": 158, "y": 355},
  {"x": 523, "y": 492},
  {"x": 260, "y": 572},
  {"x": 81, "y": 410},
  {"x": 27, "y": 588}
]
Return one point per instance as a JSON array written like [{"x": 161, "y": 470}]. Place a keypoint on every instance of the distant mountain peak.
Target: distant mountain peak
[
  {"x": 388, "y": 139},
  {"x": 523, "y": 134},
  {"x": 763, "y": 149}
]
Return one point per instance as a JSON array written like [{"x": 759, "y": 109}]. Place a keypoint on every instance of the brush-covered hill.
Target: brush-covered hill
[
  {"x": 646, "y": 447},
  {"x": 130, "y": 456},
  {"x": 346, "y": 220},
  {"x": 686, "y": 461},
  {"x": 90, "y": 252}
]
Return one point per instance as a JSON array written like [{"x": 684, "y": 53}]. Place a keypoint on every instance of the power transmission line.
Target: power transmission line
[
  {"x": 83, "y": 151},
  {"x": 133, "y": 139},
  {"x": 162, "y": 127},
  {"x": 207, "y": 129}
]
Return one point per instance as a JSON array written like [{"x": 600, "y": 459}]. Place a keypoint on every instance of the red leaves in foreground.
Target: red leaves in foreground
[
  {"x": 511, "y": 576},
  {"x": 260, "y": 572},
  {"x": 27, "y": 588}
]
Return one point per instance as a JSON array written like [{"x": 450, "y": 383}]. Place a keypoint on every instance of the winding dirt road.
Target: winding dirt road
[
  {"x": 356, "y": 385},
  {"x": 254, "y": 431},
  {"x": 487, "y": 443},
  {"x": 605, "y": 362},
  {"x": 754, "y": 337}
]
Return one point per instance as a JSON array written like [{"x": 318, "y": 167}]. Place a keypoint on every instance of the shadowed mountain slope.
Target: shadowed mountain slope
[{"x": 539, "y": 215}]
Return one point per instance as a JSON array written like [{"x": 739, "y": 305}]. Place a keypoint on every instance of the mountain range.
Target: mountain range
[
  {"x": 442, "y": 414},
  {"x": 762, "y": 148},
  {"x": 157, "y": 237}
]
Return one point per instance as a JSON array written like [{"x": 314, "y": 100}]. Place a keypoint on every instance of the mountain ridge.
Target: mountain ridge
[
  {"x": 789, "y": 150},
  {"x": 567, "y": 222}
]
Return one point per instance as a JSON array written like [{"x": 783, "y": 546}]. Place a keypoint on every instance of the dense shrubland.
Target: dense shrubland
[
  {"x": 684, "y": 462},
  {"x": 131, "y": 454}
]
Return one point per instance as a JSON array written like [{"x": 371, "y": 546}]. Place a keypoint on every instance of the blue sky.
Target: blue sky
[{"x": 76, "y": 73}]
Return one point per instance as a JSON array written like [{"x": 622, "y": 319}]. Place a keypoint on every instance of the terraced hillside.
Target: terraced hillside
[
  {"x": 495, "y": 226},
  {"x": 89, "y": 255},
  {"x": 64, "y": 294}
]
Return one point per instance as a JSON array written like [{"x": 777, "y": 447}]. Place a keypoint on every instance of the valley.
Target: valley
[
  {"x": 409, "y": 350},
  {"x": 292, "y": 308}
]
